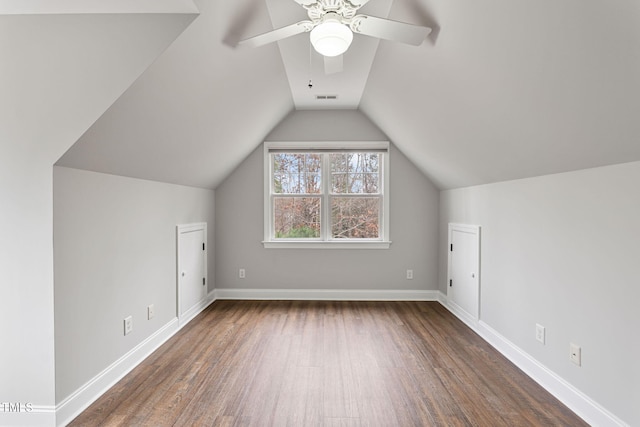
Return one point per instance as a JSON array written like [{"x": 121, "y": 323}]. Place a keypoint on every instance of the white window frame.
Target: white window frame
[{"x": 382, "y": 242}]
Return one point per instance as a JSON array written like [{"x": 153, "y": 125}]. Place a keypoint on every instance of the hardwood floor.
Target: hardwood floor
[{"x": 311, "y": 363}]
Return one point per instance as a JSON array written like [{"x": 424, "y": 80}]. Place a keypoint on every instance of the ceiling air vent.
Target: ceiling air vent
[{"x": 325, "y": 97}]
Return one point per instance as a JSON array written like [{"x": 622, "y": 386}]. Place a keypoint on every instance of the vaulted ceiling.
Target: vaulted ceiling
[{"x": 500, "y": 90}]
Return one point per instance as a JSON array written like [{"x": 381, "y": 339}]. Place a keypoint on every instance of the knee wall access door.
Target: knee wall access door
[
  {"x": 192, "y": 269},
  {"x": 463, "y": 290}
]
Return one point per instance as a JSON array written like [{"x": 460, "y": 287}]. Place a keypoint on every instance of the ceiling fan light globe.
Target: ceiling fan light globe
[{"x": 331, "y": 38}]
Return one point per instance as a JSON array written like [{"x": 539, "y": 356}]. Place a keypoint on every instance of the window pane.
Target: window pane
[
  {"x": 296, "y": 173},
  {"x": 355, "y": 173},
  {"x": 355, "y": 217},
  {"x": 296, "y": 217}
]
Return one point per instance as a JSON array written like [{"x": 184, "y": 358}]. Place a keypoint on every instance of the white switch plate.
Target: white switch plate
[
  {"x": 242, "y": 274},
  {"x": 128, "y": 325},
  {"x": 540, "y": 333},
  {"x": 150, "y": 312},
  {"x": 409, "y": 274},
  {"x": 575, "y": 354}
]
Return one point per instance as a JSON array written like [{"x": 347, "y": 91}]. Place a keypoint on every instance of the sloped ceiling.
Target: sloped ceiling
[
  {"x": 501, "y": 90},
  {"x": 199, "y": 110},
  {"x": 512, "y": 89},
  {"x": 61, "y": 68}
]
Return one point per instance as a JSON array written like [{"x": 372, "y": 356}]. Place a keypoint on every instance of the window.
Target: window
[{"x": 326, "y": 196}]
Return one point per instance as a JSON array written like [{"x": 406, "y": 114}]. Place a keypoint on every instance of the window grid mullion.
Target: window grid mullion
[{"x": 325, "y": 203}]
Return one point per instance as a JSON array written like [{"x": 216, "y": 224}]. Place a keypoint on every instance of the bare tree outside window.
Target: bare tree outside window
[
  {"x": 299, "y": 174},
  {"x": 296, "y": 217},
  {"x": 352, "y": 175},
  {"x": 355, "y": 218},
  {"x": 338, "y": 192}
]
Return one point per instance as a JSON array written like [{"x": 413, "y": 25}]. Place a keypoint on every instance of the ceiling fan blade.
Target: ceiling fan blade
[
  {"x": 279, "y": 34},
  {"x": 333, "y": 64},
  {"x": 389, "y": 30}
]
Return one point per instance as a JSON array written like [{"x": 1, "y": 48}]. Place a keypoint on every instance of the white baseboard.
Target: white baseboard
[
  {"x": 574, "y": 399},
  {"x": 326, "y": 294},
  {"x": 77, "y": 402},
  {"x": 461, "y": 314},
  {"x": 188, "y": 316},
  {"x": 31, "y": 416}
]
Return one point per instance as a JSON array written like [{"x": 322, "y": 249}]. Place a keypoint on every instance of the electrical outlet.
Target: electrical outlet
[
  {"x": 540, "y": 334},
  {"x": 575, "y": 354},
  {"x": 409, "y": 274},
  {"x": 128, "y": 325},
  {"x": 242, "y": 274},
  {"x": 150, "y": 312}
]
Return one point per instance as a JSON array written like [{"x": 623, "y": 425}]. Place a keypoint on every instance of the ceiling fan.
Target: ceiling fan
[{"x": 332, "y": 24}]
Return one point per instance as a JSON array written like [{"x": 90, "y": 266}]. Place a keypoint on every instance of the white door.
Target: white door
[
  {"x": 192, "y": 268},
  {"x": 464, "y": 265}
]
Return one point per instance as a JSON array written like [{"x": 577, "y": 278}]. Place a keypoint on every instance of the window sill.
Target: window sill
[{"x": 347, "y": 244}]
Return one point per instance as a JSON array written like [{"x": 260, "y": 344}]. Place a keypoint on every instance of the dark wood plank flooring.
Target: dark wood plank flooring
[{"x": 312, "y": 363}]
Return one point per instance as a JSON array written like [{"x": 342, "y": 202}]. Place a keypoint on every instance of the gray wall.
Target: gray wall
[
  {"x": 114, "y": 254},
  {"x": 413, "y": 228},
  {"x": 563, "y": 251},
  {"x": 90, "y": 59}
]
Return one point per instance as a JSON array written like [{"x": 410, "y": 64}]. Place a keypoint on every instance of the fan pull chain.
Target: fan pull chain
[{"x": 310, "y": 53}]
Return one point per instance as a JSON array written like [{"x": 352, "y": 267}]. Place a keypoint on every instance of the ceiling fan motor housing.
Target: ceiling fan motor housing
[{"x": 344, "y": 8}]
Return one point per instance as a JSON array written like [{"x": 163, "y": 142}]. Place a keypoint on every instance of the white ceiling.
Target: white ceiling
[{"x": 501, "y": 90}]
